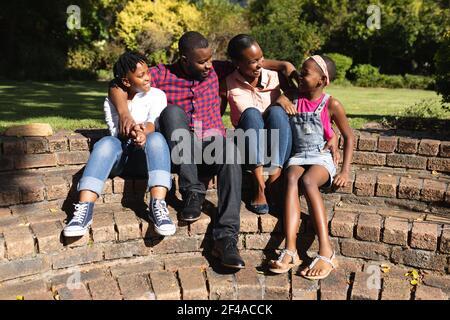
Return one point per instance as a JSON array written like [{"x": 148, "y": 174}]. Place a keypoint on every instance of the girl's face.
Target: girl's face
[
  {"x": 139, "y": 80},
  {"x": 249, "y": 64},
  {"x": 311, "y": 76}
]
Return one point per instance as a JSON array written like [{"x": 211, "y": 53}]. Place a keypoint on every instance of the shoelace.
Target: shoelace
[
  {"x": 80, "y": 212},
  {"x": 160, "y": 211},
  {"x": 191, "y": 197},
  {"x": 231, "y": 244}
]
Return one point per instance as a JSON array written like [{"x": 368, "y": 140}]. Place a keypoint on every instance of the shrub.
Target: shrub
[
  {"x": 365, "y": 75},
  {"x": 343, "y": 64},
  {"x": 442, "y": 60},
  {"x": 391, "y": 81},
  {"x": 418, "y": 82}
]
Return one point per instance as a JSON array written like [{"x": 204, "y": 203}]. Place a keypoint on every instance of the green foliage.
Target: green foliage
[
  {"x": 418, "y": 82},
  {"x": 443, "y": 69},
  {"x": 365, "y": 75},
  {"x": 343, "y": 64}
]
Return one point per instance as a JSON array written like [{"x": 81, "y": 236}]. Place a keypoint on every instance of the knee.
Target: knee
[
  {"x": 254, "y": 115},
  {"x": 108, "y": 145},
  {"x": 277, "y": 112},
  {"x": 155, "y": 141},
  {"x": 291, "y": 179},
  {"x": 307, "y": 182},
  {"x": 172, "y": 112}
]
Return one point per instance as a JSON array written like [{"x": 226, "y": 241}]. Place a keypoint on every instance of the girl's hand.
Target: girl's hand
[
  {"x": 140, "y": 139},
  {"x": 341, "y": 179},
  {"x": 332, "y": 145}
]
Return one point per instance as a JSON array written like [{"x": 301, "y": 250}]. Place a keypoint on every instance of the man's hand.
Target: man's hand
[
  {"x": 126, "y": 124},
  {"x": 341, "y": 179},
  {"x": 140, "y": 138},
  {"x": 332, "y": 145}
]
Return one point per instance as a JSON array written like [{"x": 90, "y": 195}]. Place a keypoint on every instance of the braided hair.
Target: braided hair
[{"x": 127, "y": 62}]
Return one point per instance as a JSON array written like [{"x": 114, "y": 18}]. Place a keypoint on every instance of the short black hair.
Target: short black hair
[
  {"x": 127, "y": 62},
  {"x": 238, "y": 44},
  {"x": 331, "y": 66},
  {"x": 191, "y": 40}
]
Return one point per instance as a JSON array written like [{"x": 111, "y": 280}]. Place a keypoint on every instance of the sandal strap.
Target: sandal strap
[
  {"x": 328, "y": 260},
  {"x": 292, "y": 254}
]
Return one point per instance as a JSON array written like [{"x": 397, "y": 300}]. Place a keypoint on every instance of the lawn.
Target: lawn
[{"x": 76, "y": 105}]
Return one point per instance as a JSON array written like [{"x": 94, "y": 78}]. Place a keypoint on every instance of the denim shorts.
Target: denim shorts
[{"x": 315, "y": 157}]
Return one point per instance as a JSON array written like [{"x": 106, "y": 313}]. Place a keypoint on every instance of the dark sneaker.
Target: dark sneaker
[
  {"x": 192, "y": 206},
  {"x": 226, "y": 250},
  {"x": 159, "y": 215},
  {"x": 82, "y": 219}
]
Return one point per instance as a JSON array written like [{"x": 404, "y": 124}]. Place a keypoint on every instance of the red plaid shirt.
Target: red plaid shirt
[{"x": 199, "y": 99}]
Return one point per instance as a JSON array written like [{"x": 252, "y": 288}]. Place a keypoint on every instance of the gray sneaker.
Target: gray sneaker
[{"x": 82, "y": 219}]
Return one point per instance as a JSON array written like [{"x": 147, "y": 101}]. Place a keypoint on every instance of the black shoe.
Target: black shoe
[
  {"x": 192, "y": 206},
  {"x": 226, "y": 250}
]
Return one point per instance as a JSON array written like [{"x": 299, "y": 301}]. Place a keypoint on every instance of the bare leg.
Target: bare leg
[
  {"x": 315, "y": 177},
  {"x": 88, "y": 196},
  {"x": 273, "y": 186},
  {"x": 258, "y": 196},
  {"x": 158, "y": 192},
  {"x": 292, "y": 207}
]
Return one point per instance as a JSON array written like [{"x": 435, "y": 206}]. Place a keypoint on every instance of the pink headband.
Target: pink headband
[{"x": 322, "y": 66}]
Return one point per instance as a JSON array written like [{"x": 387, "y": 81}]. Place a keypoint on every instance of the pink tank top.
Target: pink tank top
[{"x": 305, "y": 105}]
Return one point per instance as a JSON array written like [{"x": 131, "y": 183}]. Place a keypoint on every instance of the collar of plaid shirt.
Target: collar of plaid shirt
[{"x": 199, "y": 99}]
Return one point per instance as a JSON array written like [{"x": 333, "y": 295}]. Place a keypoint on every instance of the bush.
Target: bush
[
  {"x": 365, "y": 75},
  {"x": 442, "y": 60},
  {"x": 391, "y": 81},
  {"x": 343, "y": 64},
  {"x": 418, "y": 82}
]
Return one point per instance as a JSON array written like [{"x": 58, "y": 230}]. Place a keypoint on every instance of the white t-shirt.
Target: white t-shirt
[{"x": 144, "y": 107}]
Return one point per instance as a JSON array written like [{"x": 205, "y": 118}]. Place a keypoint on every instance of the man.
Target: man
[{"x": 192, "y": 88}]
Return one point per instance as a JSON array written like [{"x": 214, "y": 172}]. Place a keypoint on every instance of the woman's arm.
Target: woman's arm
[
  {"x": 223, "y": 96},
  {"x": 337, "y": 115}
]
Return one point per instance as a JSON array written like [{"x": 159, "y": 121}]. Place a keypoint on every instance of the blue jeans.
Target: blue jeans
[
  {"x": 274, "y": 117},
  {"x": 112, "y": 157}
]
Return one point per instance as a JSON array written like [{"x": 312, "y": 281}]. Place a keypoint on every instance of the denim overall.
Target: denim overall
[{"x": 308, "y": 140}]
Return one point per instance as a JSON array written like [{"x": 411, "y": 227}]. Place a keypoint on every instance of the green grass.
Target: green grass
[{"x": 76, "y": 105}]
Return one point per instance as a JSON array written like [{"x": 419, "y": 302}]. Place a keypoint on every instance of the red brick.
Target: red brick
[
  {"x": 419, "y": 258},
  {"x": 429, "y": 293},
  {"x": 19, "y": 242},
  {"x": 368, "y": 158},
  {"x": 396, "y": 231},
  {"x": 424, "y": 236},
  {"x": 9, "y": 194},
  {"x": 367, "y": 143},
  {"x": 387, "y": 144},
  {"x": 409, "y": 188},
  {"x": 105, "y": 289},
  {"x": 103, "y": 227},
  {"x": 369, "y": 227},
  {"x": 429, "y": 147},
  {"x": 136, "y": 287},
  {"x": 32, "y": 191},
  {"x": 445, "y": 149},
  {"x": 365, "y": 250},
  {"x": 79, "y": 293},
  {"x": 277, "y": 287},
  {"x": 406, "y": 161},
  {"x": 433, "y": 190},
  {"x": 407, "y": 145},
  {"x": 128, "y": 267},
  {"x": 77, "y": 256},
  {"x": 439, "y": 164},
  {"x": 180, "y": 261},
  {"x": 271, "y": 224},
  {"x": 176, "y": 244},
  {"x": 57, "y": 143},
  {"x": 127, "y": 225},
  {"x": 2, "y": 248},
  {"x": 126, "y": 249},
  {"x": 26, "y": 289},
  {"x": 73, "y": 242},
  {"x": 201, "y": 225},
  {"x": 304, "y": 289},
  {"x": 74, "y": 157},
  {"x": 264, "y": 241},
  {"x": 334, "y": 287},
  {"x": 6, "y": 162},
  {"x": 112, "y": 198},
  {"x": 5, "y": 212},
  {"x": 387, "y": 186},
  {"x": 365, "y": 286},
  {"x": 365, "y": 184},
  {"x": 78, "y": 142},
  {"x": 21, "y": 268},
  {"x": 193, "y": 285},
  {"x": 29, "y": 161},
  {"x": 57, "y": 188},
  {"x": 249, "y": 221},
  {"x": 445, "y": 241},
  {"x": 221, "y": 286},
  {"x": 396, "y": 289},
  {"x": 36, "y": 145},
  {"x": 13, "y": 145},
  {"x": 165, "y": 285},
  {"x": 248, "y": 285},
  {"x": 342, "y": 224},
  {"x": 48, "y": 236}
]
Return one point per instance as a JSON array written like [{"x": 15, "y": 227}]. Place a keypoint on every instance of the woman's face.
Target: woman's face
[{"x": 249, "y": 64}]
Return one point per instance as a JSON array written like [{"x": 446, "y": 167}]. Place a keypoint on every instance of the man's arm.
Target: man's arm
[
  {"x": 118, "y": 98},
  {"x": 223, "y": 96}
]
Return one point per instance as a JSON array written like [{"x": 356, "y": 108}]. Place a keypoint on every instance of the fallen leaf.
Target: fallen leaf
[
  {"x": 20, "y": 298},
  {"x": 434, "y": 173},
  {"x": 414, "y": 282},
  {"x": 53, "y": 210}
]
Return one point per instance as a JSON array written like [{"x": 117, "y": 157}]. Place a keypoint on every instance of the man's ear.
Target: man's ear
[
  {"x": 126, "y": 83},
  {"x": 183, "y": 59}
]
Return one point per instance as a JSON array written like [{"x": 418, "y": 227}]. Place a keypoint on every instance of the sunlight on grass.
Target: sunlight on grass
[{"x": 79, "y": 104}]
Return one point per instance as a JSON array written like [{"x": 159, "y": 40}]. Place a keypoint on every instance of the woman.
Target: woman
[{"x": 250, "y": 90}]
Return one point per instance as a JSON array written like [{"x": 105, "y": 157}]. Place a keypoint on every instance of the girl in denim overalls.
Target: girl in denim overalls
[{"x": 312, "y": 165}]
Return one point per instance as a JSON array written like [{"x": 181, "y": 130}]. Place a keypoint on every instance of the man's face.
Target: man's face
[{"x": 198, "y": 63}]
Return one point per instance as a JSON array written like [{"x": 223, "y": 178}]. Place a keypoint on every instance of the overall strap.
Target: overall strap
[{"x": 322, "y": 104}]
